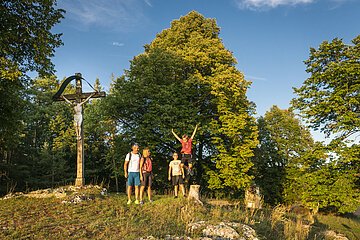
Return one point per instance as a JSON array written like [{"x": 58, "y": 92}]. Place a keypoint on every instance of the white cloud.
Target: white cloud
[
  {"x": 266, "y": 4},
  {"x": 118, "y": 15},
  {"x": 252, "y": 78},
  {"x": 118, "y": 44},
  {"x": 338, "y": 3},
  {"x": 148, "y": 3}
]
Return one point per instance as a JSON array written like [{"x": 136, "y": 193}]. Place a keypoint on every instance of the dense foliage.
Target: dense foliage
[
  {"x": 330, "y": 98},
  {"x": 26, "y": 40},
  {"x": 185, "y": 77},
  {"x": 26, "y": 44},
  {"x": 329, "y": 101},
  {"x": 281, "y": 155}
]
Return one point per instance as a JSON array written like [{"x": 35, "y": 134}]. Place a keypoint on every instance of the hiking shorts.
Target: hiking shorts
[
  {"x": 186, "y": 158},
  {"x": 133, "y": 179},
  {"x": 176, "y": 180},
  {"x": 147, "y": 179}
]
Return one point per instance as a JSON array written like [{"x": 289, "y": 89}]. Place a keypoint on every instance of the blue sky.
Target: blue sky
[{"x": 269, "y": 38}]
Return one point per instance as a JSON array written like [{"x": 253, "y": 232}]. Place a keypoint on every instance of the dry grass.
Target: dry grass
[{"x": 111, "y": 218}]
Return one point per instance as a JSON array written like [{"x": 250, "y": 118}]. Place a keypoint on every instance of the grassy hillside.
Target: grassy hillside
[{"x": 109, "y": 217}]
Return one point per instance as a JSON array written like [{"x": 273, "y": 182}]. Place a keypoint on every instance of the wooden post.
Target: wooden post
[
  {"x": 80, "y": 177},
  {"x": 194, "y": 193}
]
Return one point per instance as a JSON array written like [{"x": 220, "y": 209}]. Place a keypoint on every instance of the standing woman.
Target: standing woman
[{"x": 146, "y": 175}]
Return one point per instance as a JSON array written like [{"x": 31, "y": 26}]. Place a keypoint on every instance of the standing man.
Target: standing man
[{"x": 132, "y": 172}]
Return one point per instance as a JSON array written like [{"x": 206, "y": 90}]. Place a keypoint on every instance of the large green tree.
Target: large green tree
[
  {"x": 97, "y": 130},
  {"x": 146, "y": 103},
  {"x": 48, "y": 161},
  {"x": 282, "y": 155},
  {"x": 26, "y": 39},
  {"x": 232, "y": 128},
  {"x": 187, "y": 76},
  {"x": 26, "y": 44},
  {"x": 330, "y": 98}
]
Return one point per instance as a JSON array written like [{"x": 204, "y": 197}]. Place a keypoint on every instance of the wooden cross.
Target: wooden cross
[{"x": 79, "y": 99}]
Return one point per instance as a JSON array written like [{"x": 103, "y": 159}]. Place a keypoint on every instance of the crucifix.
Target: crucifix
[{"x": 77, "y": 100}]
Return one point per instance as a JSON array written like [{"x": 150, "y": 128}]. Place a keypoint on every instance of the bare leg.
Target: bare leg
[
  {"x": 129, "y": 192},
  {"x": 149, "y": 193},
  {"x": 176, "y": 190},
  {"x": 136, "y": 192},
  {"x": 142, "y": 188},
  {"x": 182, "y": 189}
]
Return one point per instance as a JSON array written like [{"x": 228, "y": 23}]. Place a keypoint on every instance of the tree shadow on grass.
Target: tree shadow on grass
[{"x": 317, "y": 230}]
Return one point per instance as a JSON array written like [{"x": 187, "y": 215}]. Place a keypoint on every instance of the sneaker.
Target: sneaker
[
  {"x": 176, "y": 197},
  {"x": 151, "y": 201},
  {"x": 141, "y": 202},
  {"x": 137, "y": 202},
  {"x": 128, "y": 202}
]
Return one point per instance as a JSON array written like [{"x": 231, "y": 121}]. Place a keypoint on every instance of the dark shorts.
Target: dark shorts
[
  {"x": 147, "y": 179},
  {"x": 133, "y": 179},
  {"x": 176, "y": 180},
  {"x": 186, "y": 158}
]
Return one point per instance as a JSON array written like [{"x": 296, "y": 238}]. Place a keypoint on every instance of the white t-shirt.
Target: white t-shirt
[
  {"x": 134, "y": 164},
  {"x": 176, "y": 167}
]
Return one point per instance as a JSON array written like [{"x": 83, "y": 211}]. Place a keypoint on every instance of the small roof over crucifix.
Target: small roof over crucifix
[{"x": 79, "y": 95}]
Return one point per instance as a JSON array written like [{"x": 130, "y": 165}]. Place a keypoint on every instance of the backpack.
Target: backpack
[
  {"x": 130, "y": 157},
  {"x": 131, "y": 154},
  {"x": 147, "y": 165}
]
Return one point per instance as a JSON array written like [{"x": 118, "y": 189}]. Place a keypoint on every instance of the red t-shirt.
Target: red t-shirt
[
  {"x": 186, "y": 146},
  {"x": 147, "y": 165}
]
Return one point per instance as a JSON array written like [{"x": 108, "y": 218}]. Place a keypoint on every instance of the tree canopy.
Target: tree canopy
[
  {"x": 330, "y": 98},
  {"x": 26, "y": 39},
  {"x": 26, "y": 44},
  {"x": 280, "y": 157},
  {"x": 186, "y": 76},
  {"x": 329, "y": 101}
]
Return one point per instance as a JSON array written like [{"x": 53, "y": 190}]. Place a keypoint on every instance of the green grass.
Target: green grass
[
  {"x": 348, "y": 226},
  {"x": 111, "y": 218}
]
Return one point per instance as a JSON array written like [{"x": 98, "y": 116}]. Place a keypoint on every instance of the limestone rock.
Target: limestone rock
[
  {"x": 329, "y": 234},
  {"x": 220, "y": 231},
  {"x": 209, "y": 231},
  {"x": 223, "y": 230}
]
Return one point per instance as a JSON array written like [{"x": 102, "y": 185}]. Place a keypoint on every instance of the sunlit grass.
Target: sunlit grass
[{"x": 110, "y": 217}]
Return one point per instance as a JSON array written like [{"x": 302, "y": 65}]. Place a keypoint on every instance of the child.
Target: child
[
  {"x": 146, "y": 175},
  {"x": 176, "y": 175},
  {"x": 186, "y": 150}
]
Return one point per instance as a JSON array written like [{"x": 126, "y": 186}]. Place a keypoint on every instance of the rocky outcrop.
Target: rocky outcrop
[
  {"x": 203, "y": 230},
  {"x": 223, "y": 230},
  {"x": 70, "y": 194},
  {"x": 329, "y": 234}
]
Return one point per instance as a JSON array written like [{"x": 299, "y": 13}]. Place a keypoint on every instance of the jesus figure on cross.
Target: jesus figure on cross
[{"x": 78, "y": 117}]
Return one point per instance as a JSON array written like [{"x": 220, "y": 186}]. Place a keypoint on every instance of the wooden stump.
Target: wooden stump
[
  {"x": 194, "y": 193},
  {"x": 253, "y": 199}
]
